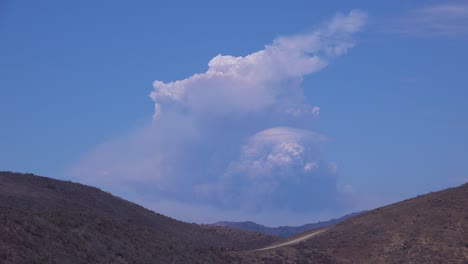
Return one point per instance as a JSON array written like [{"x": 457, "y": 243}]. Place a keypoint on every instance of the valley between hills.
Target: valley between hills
[{"x": 43, "y": 220}]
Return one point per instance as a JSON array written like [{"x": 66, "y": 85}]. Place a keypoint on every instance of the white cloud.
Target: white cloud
[
  {"x": 445, "y": 19},
  {"x": 316, "y": 111},
  {"x": 261, "y": 79},
  {"x": 274, "y": 148},
  {"x": 225, "y": 138},
  {"x": 304, "y": 110},
  {"x": 309, "y": 166},
  {"x": 275, "y": 162}
]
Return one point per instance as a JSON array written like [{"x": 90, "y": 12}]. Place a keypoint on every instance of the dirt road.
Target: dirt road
[{"x": 295, "y": 240}]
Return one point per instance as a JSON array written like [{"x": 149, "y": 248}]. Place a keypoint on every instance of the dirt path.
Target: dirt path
[{"x": 295, "y": 240}]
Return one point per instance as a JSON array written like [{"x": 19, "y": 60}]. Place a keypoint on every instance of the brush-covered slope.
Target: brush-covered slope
[
  {"x": 43, "y": 220},
  {"x": 431, "y": 228}
]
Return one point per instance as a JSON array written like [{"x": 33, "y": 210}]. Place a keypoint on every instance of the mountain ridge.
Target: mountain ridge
[{"x": 282, "y": 231}]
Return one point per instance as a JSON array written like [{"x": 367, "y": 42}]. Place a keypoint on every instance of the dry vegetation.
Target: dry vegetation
[
  {"x": 48, "y": 221},
  {"x": 432, "y": 228}
]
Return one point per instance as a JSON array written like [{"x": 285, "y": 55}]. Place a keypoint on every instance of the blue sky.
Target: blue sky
[{"x": 387, "y": 81}]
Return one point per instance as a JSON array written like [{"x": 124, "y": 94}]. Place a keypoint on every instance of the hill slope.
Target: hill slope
[
  {"x": 282, "y": 231},
  {"x": 431, "y": 228},
  {"x": 49, "y": 221}
]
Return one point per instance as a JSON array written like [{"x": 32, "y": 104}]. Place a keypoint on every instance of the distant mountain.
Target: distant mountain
[
  {"x": 43, "y": 220},
  {"x": 282, "y": 231},
  {"x": 431, "y": 228}
]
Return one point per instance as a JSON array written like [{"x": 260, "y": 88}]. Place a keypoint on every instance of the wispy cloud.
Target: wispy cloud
[
  {"x": 235, "y": 138},
  {"x": 446, "y": 19}
]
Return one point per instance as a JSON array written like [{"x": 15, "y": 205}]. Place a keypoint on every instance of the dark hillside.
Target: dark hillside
[
  {"x": 43, "y": 220},
  {"x": 431, "y": 228},
  {"x": 49, "y": 221}
]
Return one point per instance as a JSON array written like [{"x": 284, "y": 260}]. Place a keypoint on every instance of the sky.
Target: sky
[{"x": 278, "y": 112}]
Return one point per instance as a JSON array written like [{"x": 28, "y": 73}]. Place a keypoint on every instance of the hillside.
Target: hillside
[
  {"x": 431, "y": 228},
  {"x": 43, "y": 220},
  {"x": 49, "y": 221},
  {"x": 282, "y": 231}
]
